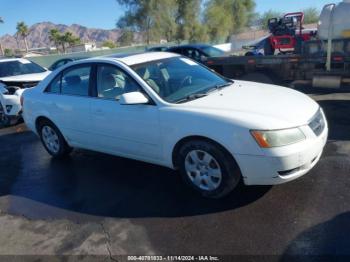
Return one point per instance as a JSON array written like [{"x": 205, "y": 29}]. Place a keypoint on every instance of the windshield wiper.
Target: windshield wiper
[
  {"x": 218, "y": 87},
  {"x": 199, "y": 95},
  {"x": 224, "y": 85},
  {"x": 191, "y": 97}
]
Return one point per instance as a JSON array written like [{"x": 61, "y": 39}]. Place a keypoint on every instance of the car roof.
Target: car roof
[
  {"x": 70, "y": 58},
  {"x": 190, "y": 46},
  {"x": 2, "y": 60},
  {"x": 139, "y": 58},
  {"x": 66, "y": 58},
  {"x": 158, "y": 46}
]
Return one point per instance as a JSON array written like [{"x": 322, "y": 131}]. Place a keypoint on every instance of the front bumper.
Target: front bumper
[
  {"x": 14, "y": 102},
  {"x": 283, "y": 164}
]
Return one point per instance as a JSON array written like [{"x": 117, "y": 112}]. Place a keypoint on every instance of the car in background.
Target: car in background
[
  {"x": 16, "y": 74},
  {"x": 197, "y": 52},
  {"x": 256, "y": 49},
  {"x": 62, "y": 62},
  {"x": 169, "y": 110},
  {"x": 158, "y": 49}
]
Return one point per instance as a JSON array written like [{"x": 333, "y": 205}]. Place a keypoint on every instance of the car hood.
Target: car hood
[
  {"x": 26, "y": 78},
  {"x": 264, "y": 105}
]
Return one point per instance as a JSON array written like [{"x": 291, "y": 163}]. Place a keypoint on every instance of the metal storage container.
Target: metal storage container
[{"x": 335, "y": 19}]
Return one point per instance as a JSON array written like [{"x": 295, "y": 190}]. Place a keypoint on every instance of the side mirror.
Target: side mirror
[{"x": 133, "y": 98}]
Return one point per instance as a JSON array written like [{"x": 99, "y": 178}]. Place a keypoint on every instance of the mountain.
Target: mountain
[{"x": 39, "y": 35}]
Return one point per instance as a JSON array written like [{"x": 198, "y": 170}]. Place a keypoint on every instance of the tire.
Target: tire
[
  {"x": 257, "y": 77},
  {"x": 4, "y": 119},
  {"x": 55, "y": 144},
  {"x": 203, "y": 176},
  {"x": 249, "y": 54}
]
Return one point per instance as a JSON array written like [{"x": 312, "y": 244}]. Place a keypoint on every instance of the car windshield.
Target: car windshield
[
  {"x": 212, "y": 51},
  {"x": 19, "y": 67},
  {"x": 179, "y": 79}
]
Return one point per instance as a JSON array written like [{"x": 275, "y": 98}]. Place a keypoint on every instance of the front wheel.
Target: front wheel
[
  {"x": 53, "y": 140},
  {"x": 208, "y": 168}
]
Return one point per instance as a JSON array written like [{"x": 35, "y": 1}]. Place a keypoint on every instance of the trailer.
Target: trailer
[
  {"x": 323, "y": 62},
  {"x": 308, "y": 67}
]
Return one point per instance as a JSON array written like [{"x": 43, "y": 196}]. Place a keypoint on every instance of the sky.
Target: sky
[
  {"x": 102, "y": 13},
  {"x": 290, "y": 5}
]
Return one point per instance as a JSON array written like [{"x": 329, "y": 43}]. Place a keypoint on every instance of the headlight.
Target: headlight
[{"x": 276, "y": 138}]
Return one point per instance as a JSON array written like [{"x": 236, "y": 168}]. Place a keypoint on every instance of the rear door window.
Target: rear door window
[
  {"x": 76, "y": 81},
  {"x": 73, "y": 81},
  {"x": 55, "y": 85}
]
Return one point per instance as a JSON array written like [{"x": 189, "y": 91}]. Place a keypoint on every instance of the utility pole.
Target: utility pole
[{"x": 330, "y": 38}]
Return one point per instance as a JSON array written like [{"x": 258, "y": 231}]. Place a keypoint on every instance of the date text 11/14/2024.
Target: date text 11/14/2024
[{"x": 173, "y": 258}]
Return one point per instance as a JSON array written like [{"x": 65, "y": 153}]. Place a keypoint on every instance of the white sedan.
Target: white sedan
[
  {"x": 168, "y": 110},
  {"x": 16, "y": 74}
]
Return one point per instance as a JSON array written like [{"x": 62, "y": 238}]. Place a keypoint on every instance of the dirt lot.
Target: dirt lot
[{"x": 102, "y": 205}]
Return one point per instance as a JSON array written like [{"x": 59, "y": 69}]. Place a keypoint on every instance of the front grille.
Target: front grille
[
  {"x": 317, "y": 123},
  {"x": 21, "y": 84}
]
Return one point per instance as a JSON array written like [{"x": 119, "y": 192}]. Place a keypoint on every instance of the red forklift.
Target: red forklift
[{"x": 287, "y": 34}]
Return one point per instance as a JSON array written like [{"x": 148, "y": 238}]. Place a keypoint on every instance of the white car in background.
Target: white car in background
[
  {"x": 16, "y": 74},
  {"x": 166, "y": 109}
]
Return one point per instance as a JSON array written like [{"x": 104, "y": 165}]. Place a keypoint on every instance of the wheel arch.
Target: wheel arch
[
  {"x": 65, "y": 148},
  {"x": 40, "y": 119},
  {"x": 186, "y": 139}
]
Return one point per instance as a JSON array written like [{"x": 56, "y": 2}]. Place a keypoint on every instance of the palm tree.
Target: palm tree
[
  {"x": 71, "y": 39},
  {"x": 68, "y": 38},
  {"x": 62, "y": 42},
  {"x": 17, "y": 41},
  {"x": 1, "y": 50},
  {"x": 55, "y": 37},
  {"x": 22, "y": 30}
]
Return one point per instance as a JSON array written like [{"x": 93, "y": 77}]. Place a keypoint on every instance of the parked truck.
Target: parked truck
[{"x": 322, "y": 60}]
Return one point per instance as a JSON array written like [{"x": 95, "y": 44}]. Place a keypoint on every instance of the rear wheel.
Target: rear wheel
[
  {"x": 53, "y": 140},
  {"x": 4, "y": 119},
  {"x": 249, "y": 53},
  {"x": 208, "y": 168}
]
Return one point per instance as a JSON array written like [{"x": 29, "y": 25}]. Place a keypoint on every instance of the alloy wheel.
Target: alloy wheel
[
  {"x": 203, "y": 170},
  {"x": 50, "y": 138}
]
